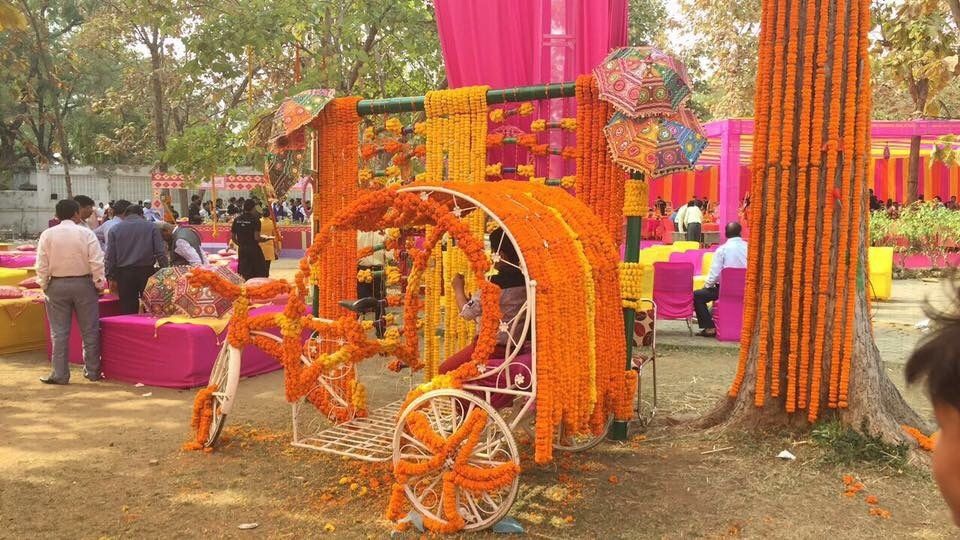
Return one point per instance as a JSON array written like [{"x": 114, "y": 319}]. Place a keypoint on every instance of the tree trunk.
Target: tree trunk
[
  {"x": 913, "y": 173},
  {"x": 807, "y": 348}
]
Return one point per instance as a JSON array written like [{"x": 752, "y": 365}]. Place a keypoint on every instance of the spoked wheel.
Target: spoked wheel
[
  {"x": 580, "y": 442},
  {"x": 328, "y": 401},
  {"x": 222, "y": 377},
  {"x": 457, "y": 460}
]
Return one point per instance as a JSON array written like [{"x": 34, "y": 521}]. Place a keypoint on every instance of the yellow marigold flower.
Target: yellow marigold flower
[
  {"x": 392, "y": 171},
  {"x": 525, "y": 170},
  {"x": 420, "y": 128},
  {"x": 365, "y": 175},
  {"x": 525, "y": 109},
  {"x": 369, "y": 134},
  {"x": 568, "y": 181},
  {"x": 496, "y": 115},
  {"x": 538, "y": 126},
  {"x": 569, "y": 124},
  {"x": 394, "y": 126},
  {"x": 495, "y": 170}
]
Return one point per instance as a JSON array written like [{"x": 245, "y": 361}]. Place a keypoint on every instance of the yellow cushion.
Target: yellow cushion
[{"x": 13, "y": 276}]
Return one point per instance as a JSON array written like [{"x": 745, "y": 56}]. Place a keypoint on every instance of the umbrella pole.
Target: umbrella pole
[{"x": 618, "y": 431}]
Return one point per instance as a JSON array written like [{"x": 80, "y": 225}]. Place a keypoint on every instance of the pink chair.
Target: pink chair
[
  {"x": 694, "y": 257},
  {"x": 728, "y": 309},
  {"x": 673, "y": 291}
]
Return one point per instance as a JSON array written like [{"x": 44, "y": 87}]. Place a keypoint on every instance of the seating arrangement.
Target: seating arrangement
[
  {"x": 693, "y": 256},
  {"x": 174, "y": 355},
  {"x": 685, "y": 245},
  {"x": 673, "y": 291},
  {"x": 705, "y": 262},
  {"x": 880, "y": 265},
  {"x": 728, "y": 309}
]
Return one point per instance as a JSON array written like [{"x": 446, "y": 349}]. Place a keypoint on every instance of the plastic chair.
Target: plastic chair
[
  {"x": 673, "y": 291},
  {"x": 880, "y": 264},
  {"x": 685, "y": 245},
  {"x": 728, "y": 310}
]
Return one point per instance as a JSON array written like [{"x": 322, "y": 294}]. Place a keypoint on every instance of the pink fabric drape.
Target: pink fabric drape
[{"x": 510, "y": 43}]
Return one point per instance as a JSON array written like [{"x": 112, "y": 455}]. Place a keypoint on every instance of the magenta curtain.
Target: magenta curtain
[{"x": 509, "y": 43}]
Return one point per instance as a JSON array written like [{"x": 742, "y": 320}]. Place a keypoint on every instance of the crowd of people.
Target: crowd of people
[
  {"x": 91, "y": 247},
  {"x": 893, "y": 208}
]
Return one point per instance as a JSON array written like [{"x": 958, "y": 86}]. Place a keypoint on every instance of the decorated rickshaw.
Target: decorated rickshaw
[{"x": 565, "y": 369}]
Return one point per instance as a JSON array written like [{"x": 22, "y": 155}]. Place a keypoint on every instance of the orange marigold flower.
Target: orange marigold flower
[
  {"x": 527, "y": 139},
  {"x": 392, "y": 147},
  {"x": 847, "y": 479},
  {"x": 367, "y": 151},
  {"x": 540, "y": 149},
  {"x": 494, "y": 140},
  {"x": 872, "y": 500}
]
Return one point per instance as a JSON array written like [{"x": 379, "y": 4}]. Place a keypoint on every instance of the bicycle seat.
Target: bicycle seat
[{"x": 362, "y": 305}]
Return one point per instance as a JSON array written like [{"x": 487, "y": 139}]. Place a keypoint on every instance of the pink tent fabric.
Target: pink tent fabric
[
  {"x": 673, "y": 290},
  {"x": 18, "y": 260},
  {"x": 728, "y": 311},
  {"x": 509, "y": 43}
]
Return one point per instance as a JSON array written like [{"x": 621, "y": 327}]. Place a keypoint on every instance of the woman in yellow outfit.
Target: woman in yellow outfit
[{"x": 270, "y": 246}]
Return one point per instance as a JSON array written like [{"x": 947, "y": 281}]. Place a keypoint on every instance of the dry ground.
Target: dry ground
[{"x": 96, "y": 460}]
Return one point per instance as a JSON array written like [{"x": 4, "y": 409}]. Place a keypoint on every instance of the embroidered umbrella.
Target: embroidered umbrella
[
  {"x": 294, "y": 113},
  {"x": 656, "y": 146},
  {"x": 642, "y": 82},
  {"x": 168, "y": 293}
]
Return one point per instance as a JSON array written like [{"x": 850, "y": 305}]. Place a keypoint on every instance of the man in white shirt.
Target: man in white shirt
[
  {"x": 732, "y": 254},
  {"x": 182, "y": 251},
  {"x": 376, "y": 262},
  {"x": 70, "y": 272},
  {"x": 693, "y": 221},
  {"x": 681, "y": 215}
]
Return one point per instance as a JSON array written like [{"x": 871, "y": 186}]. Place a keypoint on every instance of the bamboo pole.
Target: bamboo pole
[{"x": 368, "y": 107}]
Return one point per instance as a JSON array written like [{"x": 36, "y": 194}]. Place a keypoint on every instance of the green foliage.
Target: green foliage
[
  {"x": 648, "y": 20},
  {"x": 926, "y": 227},
  {"x": 846, "y": 446},
  {"x": 917, "y": 50}
]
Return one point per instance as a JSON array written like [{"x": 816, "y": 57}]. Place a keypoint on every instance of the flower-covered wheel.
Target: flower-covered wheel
[
  {"x": 455, "y": 461},
  {"x": 580, "y": 442},
  {"x": 225, "y": 377}
]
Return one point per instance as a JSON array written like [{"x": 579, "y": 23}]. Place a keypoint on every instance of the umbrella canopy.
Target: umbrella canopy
[
  {"x": 642, "y": 82},
  {"x": 656, "y": 146},
  {"x": 294, "y": 113},
  {"x": 167, "y": 293}
]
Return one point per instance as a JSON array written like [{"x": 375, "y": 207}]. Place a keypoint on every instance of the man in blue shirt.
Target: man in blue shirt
[
  {"x": 119, "y": 207},
  {"x": 134, "y": 246},
  {"x": 732, "y": 254}
]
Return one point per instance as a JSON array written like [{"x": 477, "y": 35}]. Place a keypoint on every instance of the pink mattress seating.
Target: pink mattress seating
[
  {"x": 728, "y": 310},
  {"x": 18, "y": 259},
  {"x": 693, "y": 256},
  {"x": 133, "y": 350}
]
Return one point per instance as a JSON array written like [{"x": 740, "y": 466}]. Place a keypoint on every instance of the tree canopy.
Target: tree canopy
[{"x": 180, "y": 83}]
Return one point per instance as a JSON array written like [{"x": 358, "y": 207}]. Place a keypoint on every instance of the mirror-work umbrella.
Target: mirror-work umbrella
[
  {"x": 643, "y": 81},
  {"x": 167, "y": 293},
  {"x": 294, "y": 113},
  {"x": 656, "y": 146}
]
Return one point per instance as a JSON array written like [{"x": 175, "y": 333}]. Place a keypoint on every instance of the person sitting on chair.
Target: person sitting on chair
[
  {"x": 513, "y": 296},
  {"x": 732, "y": 254}
]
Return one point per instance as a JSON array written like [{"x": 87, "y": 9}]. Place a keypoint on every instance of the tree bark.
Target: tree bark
[
  {"x": 913, "y": 171},
  {"x": 807, "y": 349}
]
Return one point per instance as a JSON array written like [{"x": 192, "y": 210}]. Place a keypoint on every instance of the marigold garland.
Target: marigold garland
[
  {"x": 600, "y": 183},
  {"x": 923, "y": 441}
]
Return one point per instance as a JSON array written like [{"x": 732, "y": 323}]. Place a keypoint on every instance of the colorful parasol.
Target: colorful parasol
[
  {"x": 294, "y": 113},
  {"x": 642, "y": 82},
  {"x": 167, "y": 293},
  {"x": 656, "y": 146}
]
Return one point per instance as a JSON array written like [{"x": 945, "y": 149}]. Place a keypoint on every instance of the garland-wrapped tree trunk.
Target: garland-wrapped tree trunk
[{"x": 807, "y": 349}]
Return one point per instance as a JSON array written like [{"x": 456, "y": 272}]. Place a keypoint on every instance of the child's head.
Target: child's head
[{"x": 937, "y": 361}]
